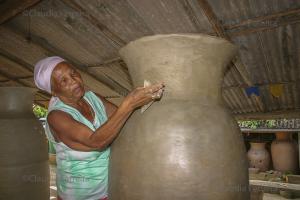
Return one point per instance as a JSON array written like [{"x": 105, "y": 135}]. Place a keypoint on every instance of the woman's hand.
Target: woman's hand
[
  {"x": 143, "y": 95},
  {"x": 81, "y": 138}
]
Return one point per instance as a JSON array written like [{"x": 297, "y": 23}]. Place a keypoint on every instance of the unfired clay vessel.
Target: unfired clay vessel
[
  {"x": 24, "y": 168},
  {"x": 284, "y": 153},
  {"x": 187, "y": 146},
  {"x": 258, "y": 156}
]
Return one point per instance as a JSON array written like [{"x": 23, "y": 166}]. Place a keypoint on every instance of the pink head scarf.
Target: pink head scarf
[
  {"x": 43, "y": 70},
  {"x": 42, "y": 74}
]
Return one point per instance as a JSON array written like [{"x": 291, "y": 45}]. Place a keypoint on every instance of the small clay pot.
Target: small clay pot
[
  {"x": 258, "y": 156},
  {"x": 284, "y": 153}
]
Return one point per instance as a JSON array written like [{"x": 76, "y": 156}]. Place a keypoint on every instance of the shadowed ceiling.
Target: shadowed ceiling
[{"x": 89, "y": 34}]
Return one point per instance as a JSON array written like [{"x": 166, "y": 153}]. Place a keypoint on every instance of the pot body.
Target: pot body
[
  {"x": 284, "y": 153},
  {"x": 259, "y": 157},
  {"x": 23, "y": 148},
  {"x": 186, "y": 146}
]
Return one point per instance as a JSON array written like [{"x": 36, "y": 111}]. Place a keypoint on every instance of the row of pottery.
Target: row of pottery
[{"x": 284, "y": 153}]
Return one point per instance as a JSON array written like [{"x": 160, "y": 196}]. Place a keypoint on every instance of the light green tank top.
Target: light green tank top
[{"x": 81, "y": 175}]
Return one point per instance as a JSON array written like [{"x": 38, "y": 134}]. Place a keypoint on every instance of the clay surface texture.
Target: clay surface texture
[
  {"x": 23, "y": 148},
  {"x": 186, "y": 146}
]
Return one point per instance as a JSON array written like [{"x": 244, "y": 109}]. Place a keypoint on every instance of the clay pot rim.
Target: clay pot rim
[
  {"x": 17, "y": 101},
  {"x": 33, "y": 90},
  {"x": 282, "y": 135},
  {"x": 190, "y": 35}
]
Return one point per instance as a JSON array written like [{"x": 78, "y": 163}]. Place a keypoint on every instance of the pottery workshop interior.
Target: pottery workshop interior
[{"x": 149, "y": 99}]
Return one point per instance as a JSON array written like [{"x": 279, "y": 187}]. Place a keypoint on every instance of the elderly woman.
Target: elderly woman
[{"x": 82, "y": 125}]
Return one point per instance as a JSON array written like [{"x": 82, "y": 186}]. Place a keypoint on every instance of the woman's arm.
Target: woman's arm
[{"x": 79, "y": 137}]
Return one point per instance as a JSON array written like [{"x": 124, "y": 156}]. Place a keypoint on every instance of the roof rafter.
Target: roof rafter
[
  {"x": 212, "y": 18},
  {"x": 42, "y": 94},
  {"x": 218, "y": 28},
  {"x": 11, "y": 8},
  {"x": 108, "y": 33},
  {"x": 261, "y": 28},
  {"x": 44, "y": 44},
  {"x": 92, "y": 83},
  {"x": 273, "y": 16}
]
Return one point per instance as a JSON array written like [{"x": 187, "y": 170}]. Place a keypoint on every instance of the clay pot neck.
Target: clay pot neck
[
  {"x": 257, "y": 145},
  {"x": 283, "y": 136},
  {"x": 192, "y": 66}
]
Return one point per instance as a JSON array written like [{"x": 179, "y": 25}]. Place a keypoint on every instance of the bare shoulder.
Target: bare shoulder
[
  {"x": 72, "y": 133},
  {"x": 57, "y": 116}
]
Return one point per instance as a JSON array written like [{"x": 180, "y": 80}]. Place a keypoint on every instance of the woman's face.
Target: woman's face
[{"x": 66, "y": 82}]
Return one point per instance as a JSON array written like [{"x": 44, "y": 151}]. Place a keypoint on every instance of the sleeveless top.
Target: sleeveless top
[{"x": 81, "y": 175}]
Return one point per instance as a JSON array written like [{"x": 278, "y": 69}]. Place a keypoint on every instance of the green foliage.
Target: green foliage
[
  {"x": 253, "y": 124},
  {"x": 39, "y": 111}
]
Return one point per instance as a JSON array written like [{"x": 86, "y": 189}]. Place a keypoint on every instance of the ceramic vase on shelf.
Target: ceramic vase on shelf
[
  {"x": 24, "y": 167},
  {"x": 187, "y": 145},
  {"x": 258, "y": 156},
  {"x": 284, "y": 153}
]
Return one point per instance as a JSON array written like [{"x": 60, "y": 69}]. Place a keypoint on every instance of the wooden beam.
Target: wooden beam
[
  {"x": 43, "y": 98},
  {"x": 11, "y": 8},
  {"x": 115, "y": 70},
  {"x": 8, "y": 76},
  {"x": 16, "y": 78},
  {"x": 264, "y": 23},
  {"x": 212, "y": 18},
  {"x": 262, "y": 28},
  {"x": 218, "y": 28},
  {"x": 260, "y": 19},
  {"x": 271, "y": 196},
  {"x": 93, "y": 82},
  {"x": 190, "y": 13},
  {"x": 117, "y": 41},
  {"x": 44, "y": 44},
  {"x": 107, "y": 62},
  {"x": 242, "y": 70},
  {"x": 44, "y": 94},
  {"x": 16, "y": 60},
  {"x": 268, "y": 130},
  {"x": 261, "y": 84},
  {"x": 279, "y": 185}
]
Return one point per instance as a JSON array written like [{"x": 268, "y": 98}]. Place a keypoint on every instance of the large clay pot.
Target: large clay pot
[
  {"x": 187, "y": 146},
  {"x": 258, "y": 156},
  {"x": 24, "y": 168},
  {"x": 284, "y": 153}
]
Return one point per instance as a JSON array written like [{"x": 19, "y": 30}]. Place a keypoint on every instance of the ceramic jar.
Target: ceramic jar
[
  {"x": 24, "y": 167},
  {"x": 258, "y": 156},
  {"x": 284, "y": 153},
  {"x": 186, "y": 146}
]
